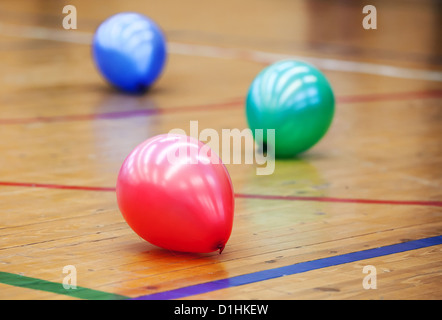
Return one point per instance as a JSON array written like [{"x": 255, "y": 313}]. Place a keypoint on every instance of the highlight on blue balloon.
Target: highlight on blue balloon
[{"x": 129, "y": 50}]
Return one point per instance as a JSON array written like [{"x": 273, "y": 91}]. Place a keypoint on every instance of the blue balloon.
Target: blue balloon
[{"x": 129, "y": 50}]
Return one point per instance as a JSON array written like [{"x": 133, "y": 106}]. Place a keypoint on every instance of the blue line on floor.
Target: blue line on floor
[{"x": 292, "y": 269}]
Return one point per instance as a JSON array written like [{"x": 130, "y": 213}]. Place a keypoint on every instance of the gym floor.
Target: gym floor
[{"x": 366, "y": 201}]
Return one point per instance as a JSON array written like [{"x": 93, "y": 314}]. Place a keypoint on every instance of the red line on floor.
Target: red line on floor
[
  {"x": 390, "y": 96},
  {"x": 239, "y": 195},
  {"x": 80, "y": 117},
  {"x": 53, "y": 186},
  {"x": 342, "y": 200},
  {"x": 234, "y": 103},
  {"x": 126, "y": 113}
]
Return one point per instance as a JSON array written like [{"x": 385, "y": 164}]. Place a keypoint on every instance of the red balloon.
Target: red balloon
[{"x": 176, "y": 193}]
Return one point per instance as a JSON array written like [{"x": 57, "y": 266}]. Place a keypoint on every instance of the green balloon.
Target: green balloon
[{"x": 296, "y": 100}]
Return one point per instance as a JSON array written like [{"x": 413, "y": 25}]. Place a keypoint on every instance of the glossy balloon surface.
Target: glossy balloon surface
[
  {"x": 296, "y": 100},
  {"x": 177, "y": 201},
  {"x": 129, "y": 50}
]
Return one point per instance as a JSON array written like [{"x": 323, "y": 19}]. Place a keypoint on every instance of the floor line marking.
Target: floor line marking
[
  {"x": 85, "y": 38},
  {"x": 91, "y": 294},
  {"x": 341, "y": 200},
  {"x": 54, "y": 287},
  {"x": 125, "y": 113},
  {"x": 321, "y": 63},
  {"x": 240, "y": 195},
  {"x": 55, "y": 186},
  {"x": 233, "y": 103},
  {"x": 297, "y": 268}
]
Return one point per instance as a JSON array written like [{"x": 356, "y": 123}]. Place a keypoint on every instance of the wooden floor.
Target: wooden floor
[{"x": 370, "y": 193}]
